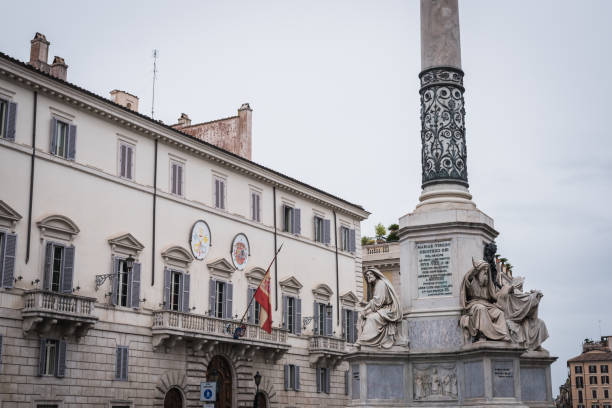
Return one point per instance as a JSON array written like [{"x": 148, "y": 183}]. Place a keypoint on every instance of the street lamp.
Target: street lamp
[
  {"x": 129, "y": 263},
  {"x": 257, "y": 378}
]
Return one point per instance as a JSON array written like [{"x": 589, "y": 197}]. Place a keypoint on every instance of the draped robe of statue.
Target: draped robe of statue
[
  {"x": 521, "y": 312},
  {"x": 381, "y": 315},
  {"x": 483, "y": 317}
]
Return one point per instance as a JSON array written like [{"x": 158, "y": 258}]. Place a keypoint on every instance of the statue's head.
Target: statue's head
[
  {"x": 482, "y": 271},
  {"x": 370, "y": 277}
]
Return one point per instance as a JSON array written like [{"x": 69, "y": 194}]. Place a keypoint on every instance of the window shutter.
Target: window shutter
[
  {"x": 129, "y": 160},
  {"x": 297, "y": 378},
  {"x": 53, "y": 144},
  {"x": 135, "y": 286},
  {"x": 12, "y": 116},
  {"x": 124, "y": 363},
  {"x": 318, "y": 375},
  {"x": 173, "y": 178},
  {"x": 122, "y": 160},
  {"x": 8, "y": 267},
  {"x": 72, "y": 134},
  {"x": 47, "y": 271},
  {"x": 251, "y": 312},
  {"x": 61, "y": 359},
  {"x": 186, "y": 284},
  {"x": 329, "y": 322},
  {"x": 179, "y": 179},
  {"x": 283, "y": 212},
  {"x": 345, "y": 335},
  {"x": 287, "y": 370},
  {"x": 297, "y": 226},
  {"x": 68, "y": 270},
  {"x": 316, "y": 318},
  {"x": 327, "y": 380},
  {"x": 212, "y": 297},
  {"x": 355, "y": 315},
  {"x": 0, "y": 349},
  {"x": 352, "y": 240},
  {"x": 346, "y": 382},
  {"x": 42, "y": 354},
  {"x": 258, "y": 213},
  {"x": 298, "y": 316},
  {"x": 180, "y": 291},
  {"x": 115, "y": 281},
  {"x": 285, "y": 308},
  {"x": 118, "y": 361},
  {"x": 167, "y": 283},
  {"x": 326, "y": 232},
  {"x": 229, "y": 294},
  {"x": 222, "y": 194},
  {"x": 217, "y": 193}
]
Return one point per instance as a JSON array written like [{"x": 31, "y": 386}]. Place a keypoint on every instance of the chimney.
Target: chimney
[
  {"x": 184, "y": 121},
  {"x": 245, "y": 116},
  {"x": 39, "y": 52},
  {"x": 59, "y": 69},
  {"x": 125, "y": 99}
]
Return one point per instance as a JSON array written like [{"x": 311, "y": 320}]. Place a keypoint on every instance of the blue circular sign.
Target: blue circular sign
[{"x": 208, "y": 394}]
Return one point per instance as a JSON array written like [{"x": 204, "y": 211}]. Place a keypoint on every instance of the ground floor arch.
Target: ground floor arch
[
  {"x": 173, "y": 398},
  {"x": 219, "y": 370}
]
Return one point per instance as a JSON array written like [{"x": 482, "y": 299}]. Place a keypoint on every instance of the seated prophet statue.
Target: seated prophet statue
[
  {"x": 381, "y": 315},
  {"x": 483, "y": 318}
]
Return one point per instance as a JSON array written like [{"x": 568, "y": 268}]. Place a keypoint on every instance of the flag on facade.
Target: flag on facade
[{"x": 262, "y": 296}]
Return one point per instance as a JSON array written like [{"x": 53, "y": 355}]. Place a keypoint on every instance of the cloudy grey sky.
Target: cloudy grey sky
[{"x": 334, "y": 89}]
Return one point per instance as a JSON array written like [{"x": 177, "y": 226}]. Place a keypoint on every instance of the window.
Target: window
[
  {"x": 323, "y": 379},
  {"x": 126, "y": 284},
  {"x": 594, "y": 392},
  {"x": 52, "y": 360},
  {"x": 593, "y": 379},
  {"x": 606, "y": 405},
  {"x": 292, "y": 377},
  {"x": 121, "y": 363},
  {"x": 220, "y": 193},
  {"x": 255, "y": 206},
  {"x": 63, "y": 139},
  {"x": 594, "y": 405},
  {"x": 254, "y": 308},
  {"x": 323, "y": 319},
  {"x": 176, "y": 290},
  {"x": 59, "y": 268},
  {"x": 221, "y": 299},
  {"x": 605, "y": 379},
  {"x": 46, "y": 406},
  {"x": 318, "y": 229},
  {"x": 8, "y": 115},
  {"x": 580, "y": 398},
  {"x": 578, "y": 369},
  {"x": 347, "y": 239},
  {"x": 603, "y": 368},
  {"x": 292, "y": 314},
  {"x": 126, "y": 160},
  {"x": 579, "y": 382},
  {"x": 291, "y": 220},
  {"x": 349, "y": 325},
  {"x": 8, "y": 247},
  {"x": 176, "y": 178},
  {"x": 592, "y": 369},
  {"x": 606, "y": 393}
]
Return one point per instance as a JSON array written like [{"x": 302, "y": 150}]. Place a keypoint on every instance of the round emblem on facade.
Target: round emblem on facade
[
  {"x": 240, "y": 251},
  {"x": 200, "y": 240}
]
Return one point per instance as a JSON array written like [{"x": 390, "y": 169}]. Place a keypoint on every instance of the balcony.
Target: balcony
[
  {"x": 331, "y": 349},
  {"x": 205, "y": 332},
  {"x": 70, "y": 315}
]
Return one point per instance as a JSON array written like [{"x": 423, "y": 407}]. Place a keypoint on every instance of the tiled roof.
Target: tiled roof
[
  {"x": 592, "y": 356},
  {"x": 168, "y": 127}
]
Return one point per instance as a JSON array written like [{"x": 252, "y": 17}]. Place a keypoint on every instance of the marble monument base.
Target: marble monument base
[{"x": 482, "y": 374}]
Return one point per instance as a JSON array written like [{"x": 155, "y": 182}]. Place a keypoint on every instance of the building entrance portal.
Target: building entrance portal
[
  {"x": 173, "y": 399},
  {"x": 262, "y": 401},
  {"x": 220, "y": 372}
]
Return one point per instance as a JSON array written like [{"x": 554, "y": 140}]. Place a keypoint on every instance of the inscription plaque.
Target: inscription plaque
[
  {"x": 503, "y": 379},
  {"x": 434, "y": 274}
]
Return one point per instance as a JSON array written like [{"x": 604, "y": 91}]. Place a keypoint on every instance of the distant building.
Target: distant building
[
  {"x": 385, "y": 257},
  {"x": 589, "y": 375}
]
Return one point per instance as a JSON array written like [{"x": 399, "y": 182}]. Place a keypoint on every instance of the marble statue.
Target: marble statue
[
  {"x": 521, "y": 313},
  {"x": 382, "y": 314},
  {"x": 483, "y": 318}
]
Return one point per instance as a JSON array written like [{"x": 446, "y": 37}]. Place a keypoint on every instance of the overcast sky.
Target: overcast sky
[{"x": 334, "y": 89}]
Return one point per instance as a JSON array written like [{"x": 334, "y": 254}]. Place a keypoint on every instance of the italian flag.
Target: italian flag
[{"x": 262, "y": 296}]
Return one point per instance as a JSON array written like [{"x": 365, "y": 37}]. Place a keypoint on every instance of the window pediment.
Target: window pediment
[
  {"x": 126, "y": 244},
  {"x": 291, "y": 285},
  {"x": 177, "y": 256},
  {"x": 8, "y": 216},
  {"x": 221, "y": 268},
  {"x": 255, "y": 275},
  {"x": 349, "y": 299},
  {"x": 322, "y": 292},
  {"x": 58, "y": 226}
]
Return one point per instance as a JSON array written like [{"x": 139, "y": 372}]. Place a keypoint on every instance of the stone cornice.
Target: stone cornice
[{"x": 86, "y": 101}]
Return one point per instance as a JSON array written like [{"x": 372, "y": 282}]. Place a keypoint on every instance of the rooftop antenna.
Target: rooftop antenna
[
  {"x": 599, "y": 321},
  {"x": 154, "y": 78}
]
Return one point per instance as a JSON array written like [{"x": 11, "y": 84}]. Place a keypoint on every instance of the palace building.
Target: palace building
[
  {"x": 129, "y": 251},
  {"x": 589, "y": 375}
]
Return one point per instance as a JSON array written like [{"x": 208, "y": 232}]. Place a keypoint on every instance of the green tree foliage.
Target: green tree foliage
[
  {"x": 367, "y": 240},
  {"x": 380, "y": 231}
]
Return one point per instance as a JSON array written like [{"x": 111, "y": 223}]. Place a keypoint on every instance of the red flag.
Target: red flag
[{"x": 262, "y": 296}]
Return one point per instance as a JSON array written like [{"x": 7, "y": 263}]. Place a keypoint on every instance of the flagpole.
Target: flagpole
[{"x": 267, "y": 270}]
